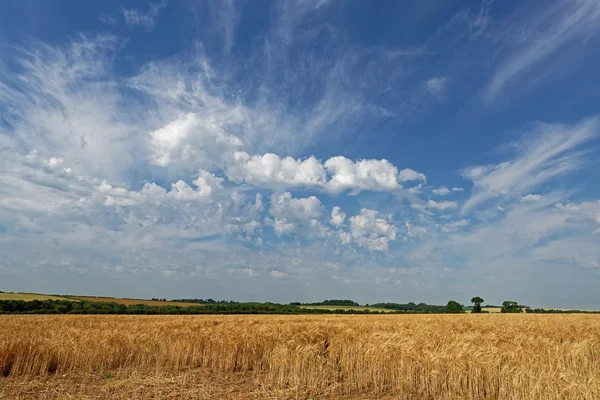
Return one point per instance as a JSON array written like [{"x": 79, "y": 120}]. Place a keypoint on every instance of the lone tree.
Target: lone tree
[
  {"x": 477, "y": 304},
  {"x": 511, "y": 307},
  {"x": 453, "y": 308}
]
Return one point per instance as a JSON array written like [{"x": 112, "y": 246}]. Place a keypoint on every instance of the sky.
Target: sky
[{"x": 299, "y": 150}]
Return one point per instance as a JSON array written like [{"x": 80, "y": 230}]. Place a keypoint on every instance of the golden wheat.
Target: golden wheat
[{"x": 407, "y": 357}]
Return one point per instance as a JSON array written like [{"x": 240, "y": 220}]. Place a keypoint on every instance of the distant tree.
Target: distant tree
[
  {"x": 454, "y": 308},
  {"x": 477, "y": 304},
  {"x": 511, "y": 307}
]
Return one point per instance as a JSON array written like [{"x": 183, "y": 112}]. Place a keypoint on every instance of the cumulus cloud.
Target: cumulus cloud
[
  {"x": 335, "y": 175},
  {"x": 584, "y": 211},
  {"x": 206, "y": 185},
  {"x": 290, "y": 212},
  {"x": 408, "y": 174},
  {"x": 441, "y": 205},
  {"x": 337, "y": 216},
  {"x": 271, "y": 170},
  {"x": 457, "y": 189},
  {"x": 370, "y": 231},
  {"x": 276, "y": 274},
  {"x": 191, "y": 140},
  {"x": 443, "y": 191},
  {"x": 290, "y": 208},
  {"x": 362, "y": 174}
]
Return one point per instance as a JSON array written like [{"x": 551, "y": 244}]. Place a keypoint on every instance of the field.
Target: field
[
  {"x": 356, "y": 308},
  {"x": 29, "y": 296},
  {"x": 451, "y": 357},
  {"x": 129, "y": 302}
]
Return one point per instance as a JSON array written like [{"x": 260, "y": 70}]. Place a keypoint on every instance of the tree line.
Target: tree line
[
  {"x": 510, "y": 307},
  {"x": 223, "y": 307},
  {"x": 344, "y": 303},
  {"x": 89, "y": 307}
]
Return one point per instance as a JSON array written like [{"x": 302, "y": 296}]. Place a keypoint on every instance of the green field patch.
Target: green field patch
[
  {"x": 31, "y": 297},
  {"x": 354, "y": 308},
  {"x": 129, "y": 302}
]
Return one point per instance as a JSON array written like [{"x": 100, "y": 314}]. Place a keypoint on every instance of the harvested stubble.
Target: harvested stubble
[{"x": 408, "y": 357}]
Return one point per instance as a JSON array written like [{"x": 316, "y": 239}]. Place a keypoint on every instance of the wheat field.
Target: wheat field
[{"x": 490, "y": 356}]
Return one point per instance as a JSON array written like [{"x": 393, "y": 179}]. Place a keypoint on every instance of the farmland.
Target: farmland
[
  {"x": 128, "y": 302},
  {"x": 355, "y": 308},
  {"x": 29, "y": 296},
  {"x": 490, "y": 356},
  {"x": 125, "y": 301}
]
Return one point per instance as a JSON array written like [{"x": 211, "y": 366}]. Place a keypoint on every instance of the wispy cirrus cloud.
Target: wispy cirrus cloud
[
  {"x": 550, "y": 151},
  {"x": 136, "y": 17},
  {"x": 541, "y": 35}
]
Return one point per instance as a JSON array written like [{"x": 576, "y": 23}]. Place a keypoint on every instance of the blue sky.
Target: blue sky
[{"x": 302, "y": 150}]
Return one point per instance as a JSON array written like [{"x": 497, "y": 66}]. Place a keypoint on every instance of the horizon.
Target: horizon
[
  {"x": 286, "y": 150},
  {"x": 466, "y": 304}
]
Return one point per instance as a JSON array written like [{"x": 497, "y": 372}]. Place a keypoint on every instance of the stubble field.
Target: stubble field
[{"x": 490, "y": 356}]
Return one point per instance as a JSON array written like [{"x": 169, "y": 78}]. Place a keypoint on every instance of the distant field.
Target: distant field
[
  {"x": 129, "y": 302},
  {"x": 29, "y": 296},
  {"x": 359, "y": 308}
]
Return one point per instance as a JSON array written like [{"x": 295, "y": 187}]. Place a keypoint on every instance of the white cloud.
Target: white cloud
[
  {"x": 291, "y": 212},
  {"x": 547, "y": 154},
  {"x": 457, "y": 189},
  {"x": 413, "y": 231},
  {"x": 62, "y": 101},
  {"x": 435, "y": 86},
  {"x": 285, "y": 206},
  {"x": 135, "y": 17},
  {"x": 337, "y": 216},
  {"x": 411, "y": 175},
  {"x": 369, "y": 231},
  {"x": 531, "y": 197},
  {"x": 318, "y": 230},
  {"x": 270, "y": 170},
  {"x": 192, "y": 140},
  {"x": 361, "y": 175},
  {"x": 206, "y": 185},
  {"x": 275, "y": 274},
  {"x": 558, "y": 25},
  {"x": 415, "y": 190},
  {"x": 455, "y": 226},
  {"x": 585, "y": 211},
  {"x": 443, "y": 191},
  {"x": 441, "y": 205}
]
